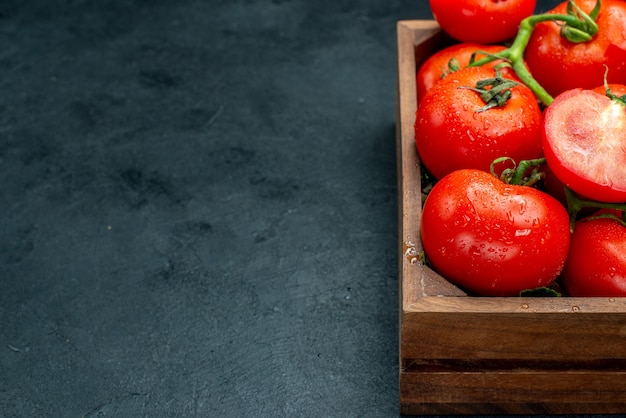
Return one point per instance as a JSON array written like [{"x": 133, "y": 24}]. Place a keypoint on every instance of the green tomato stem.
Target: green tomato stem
[
  {"x": 582, "y": 28},
  {"x": 523, "y": 167},
  {"x": 575, "y": 204},
  {"x": 518, "y": 175}
]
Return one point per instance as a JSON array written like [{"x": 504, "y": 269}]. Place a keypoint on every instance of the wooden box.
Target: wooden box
[{"x": 484, "y": 355}]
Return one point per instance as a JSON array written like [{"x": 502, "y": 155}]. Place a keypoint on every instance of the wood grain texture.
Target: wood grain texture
[{"x": 471, "y": 355}]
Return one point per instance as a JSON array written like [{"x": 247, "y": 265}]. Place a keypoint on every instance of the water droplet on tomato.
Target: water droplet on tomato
[
  {"x": 522, "y": 232},
  {"x": 522, "y": 206},
  {"x": 509, "y": 216}
]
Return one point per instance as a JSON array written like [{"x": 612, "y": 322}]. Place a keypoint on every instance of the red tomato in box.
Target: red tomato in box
[
  {"x": 493, "y": 238},
  {"x": 596, "y": 265},
  {"x": 481, "y": 21},
  {"x": 436, "y": 66},
  {"x": 584, "y": 144},
  {"x": 451, "y": 133},
  {"x": 560, "y": 65}
]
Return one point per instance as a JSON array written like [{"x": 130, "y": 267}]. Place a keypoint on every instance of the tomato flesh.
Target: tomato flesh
[
  {"x": 584, "y": 144},
  {"x": 492, "y": 238}
]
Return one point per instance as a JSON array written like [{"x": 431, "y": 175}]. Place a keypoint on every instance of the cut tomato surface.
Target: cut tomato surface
[{"x": 585, "y": 144}]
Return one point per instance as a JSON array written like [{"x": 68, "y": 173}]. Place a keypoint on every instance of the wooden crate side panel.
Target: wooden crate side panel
[
  {"x": 517, "y": 336},
  {"x": 516, "y": 363},
  {"x": 514, "y": 392}
]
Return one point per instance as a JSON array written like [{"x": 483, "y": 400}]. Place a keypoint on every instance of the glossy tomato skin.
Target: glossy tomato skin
[
  {"x": 436, "y": 66},
  {"x": 616, "y": 89},
  {"x": 596, "y": 265},
  {"x": 450, "y": 134},
  {"x": 492, "y": 238},
  {"x": 584, "y": 143},
  {"x": 559, "y": 65},
  {"x": 481, "y": 21}
]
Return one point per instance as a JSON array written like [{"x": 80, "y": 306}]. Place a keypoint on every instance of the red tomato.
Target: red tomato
[
  {"x": 596, "y": 265},
  {"x": 436, "y": 66},
  {"x": 492, "y": 238},
  {"x": 584, "y": 144},
  {"x": 481, "y": 21},
  {"x": 558, "y": 64},
  {"x": 451, "y": 134}
]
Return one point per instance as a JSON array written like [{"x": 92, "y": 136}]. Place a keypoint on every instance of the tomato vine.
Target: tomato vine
[{"x": 577, "y": 27}]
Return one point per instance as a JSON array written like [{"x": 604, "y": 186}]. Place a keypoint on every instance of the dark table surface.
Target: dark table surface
[{"x": 199, "y": 207}]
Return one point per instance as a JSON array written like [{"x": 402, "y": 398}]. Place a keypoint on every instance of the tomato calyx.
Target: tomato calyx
[
  {"x": 519, "y": 174},
  {"x": 575, "y": 204},
  {"x": 583, "y": 27},
  {"x": 494, "y": 91}
]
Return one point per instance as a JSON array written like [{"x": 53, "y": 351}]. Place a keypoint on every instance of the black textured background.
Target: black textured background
[{"x": 198, "y": 207}]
